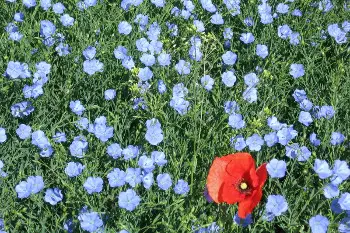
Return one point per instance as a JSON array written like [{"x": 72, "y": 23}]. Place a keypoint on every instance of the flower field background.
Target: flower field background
[{"x": 111, "y": 113}]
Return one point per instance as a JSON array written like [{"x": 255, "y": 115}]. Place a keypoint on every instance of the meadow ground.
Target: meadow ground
[{"x": 191, "y": 140}]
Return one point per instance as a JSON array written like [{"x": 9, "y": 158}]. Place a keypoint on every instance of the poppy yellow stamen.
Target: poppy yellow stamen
[{"x": 243, "y": 186}]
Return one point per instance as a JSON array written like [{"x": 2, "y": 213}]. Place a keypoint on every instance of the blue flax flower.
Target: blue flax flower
[
  {"x": 181, "y": 187},
  {"x": 142, "y": 45},
  {"x": 247, "y": 38},
  {"x": 17, "y": 70},
  {"x": 147, "y": 180},
  {"x": 59, "y": 137},
  {"x": 276, "y": 204},
  {"x": 251, "y": 79},
  {"x": 229, "y": 78},
  {"x": 208, "y": 6},
  {"x": 255, "y": 142},
  {"x": 77, "y": 107},
  {"x": 45, "y": 4},
  {"x": 297, "y": 12},
  {"x": 78, "y": 147},
  {"x": 130, "y": 152},
  {"x": 207, "y": 82},
  {"x": 294, "y": 38},
  {"x": 53, "y": 196},
  {"x": 183, "y": 67},
  {"x": 326, "y": 112},
  {"x": 331, "y": 191},
  {"x": 341, "y": 172},
  {"x": 145, "y": 74},
  {"x": 284, "y": 31},
  {"x": 337, "y": 138},
  {"x": 231, "y": 107},
  {"x": 335, "y": 207},
  {"x": 133, "y": 176},
  {"x": 286, "y": 134},
  {"x": 250, "y": 94},
  {"x": 322, "y": 169},
  {"x": 101, "y": 130},
  {"x": 154, "y": 133},
  {"x": 29, "y": 3},
  {"x": 69, "y": 225},
  {"x": 74, "y": 169},
  {"x": 195, "y": 53},
  {"x": 67, "y": 20},
  {"x": 128, "y": 200},
  {"x": 146, "y": 163},
  {"x": 229, "y": 58},
  {"x": 159, "y": 158},
  {"x": 179, "y": 90},
  {"x": 282, "y": 8},
  {"x": 93, "y": 185},
  {"x": 158, "y": 3},
  {"x": 299, "y": 95},
  {"x": 238, "y": 142},
  {"x": 199, "y": 25},
  {"x": 92, "y": 66},
  {"x": 124, "y": 28},
  {"x": 148, "y": 59},
  {"x": 161, "y": 87},
  {"x": 249, "y": 21},
  {"x": 217, "y": 19},
  {"x": 89, "y": 53},
  {"x": 276, "y": 168},
  {"x": 305, "y": 118},
  {"x": 262, "y": 51},
  {"x": 164, "y": 59},
  {"x": 90, "y": 221},
  {"x": 116, "y": 178},
  {"x": 306, "y": 105},
  {"x": 114, "y": 150},
  {"x": 3, "y": 136},
  {"x": 228, "y": 34},
  {"x": 82, "y": 123},
  {"x": 236, "y": 121},
  {"x": 39, "y": 139},
  {"x": 58, "y": 8},
  {"x": 297, "y": 70},
  {"x": 180, "y": 105},
  {"x": 120, "y": 52},
  {"x": 63, "y": 49},
  {"x": 22, "y": 109},
  {"x": 154, "y": 31},
  {"x": 313, "y": 139},
  {"x": 271, "y": 139},
  {"x": 318, "y": 224},
  {"x": 164, "y": 181},
  {"x": 273, "y": 123},
  {"x": 243, "y": 222},
  {"x": 23, "y": 189},
  {"x": 36, "y": 184},
  {"x": 2, "y": 173},
  {"x": 344, "y": 225},
  {"x": 110, "y": 94}
]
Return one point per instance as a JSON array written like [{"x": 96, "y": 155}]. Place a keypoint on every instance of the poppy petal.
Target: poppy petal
[
  {"x": 246, "y": 206},
  {"x": 252, "y": 178},
  {"x": 262, "y": 174},
  {"x": 240, "y": 164},
  {"x": 229, "y": 192},
  {"x": 216, "y": 177}
]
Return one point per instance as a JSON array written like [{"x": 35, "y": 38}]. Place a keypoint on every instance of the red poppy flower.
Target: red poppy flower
[{"x": 233, "y": 178}]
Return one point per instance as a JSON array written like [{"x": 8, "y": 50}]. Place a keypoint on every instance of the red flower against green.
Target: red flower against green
[{"x": 234, "y": 179}]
